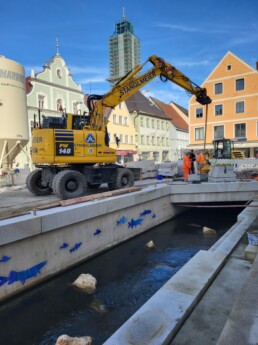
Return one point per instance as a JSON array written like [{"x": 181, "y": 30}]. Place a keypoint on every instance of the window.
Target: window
[
  {"x": 199, "y": 112},
  {"x": 120, "y": 120},
  {"x": 218, "y": 132},
  {"x": 126, "y": 139},
  {"x": 141, "y": 121},
  {"x": 59, "y": 73},
  {"x": 240, "y": 107},
  {"x": 240, "y": 84},
  {"x": 126, "y": 121},
  {"x": 158, "y": 124},
  {"x": 41, "y": 101},
  {"x": 148, "y": 140},
  {"x": 229, "y": 67},
  {"x": 148, "y": 123},
  {"x": 218, "y": 88},
  {"x": 75, "y": 107},
  {"x": 218, "y": 109},
  {"x": 114, "y": 118},
  {"x": 59, "y": 105},
  {"x": 152, "y": 123},
  {"x": 153, "y": 140},
  {"x": 162, "y": 124},
  {"x": 142, "y": 139},
  {"x": 199, "y": 133},
  {"x": 240, "y": 130}
]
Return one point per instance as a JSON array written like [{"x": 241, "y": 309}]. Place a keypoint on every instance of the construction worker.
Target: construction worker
[
  {"x": 201, "y": 161},
  {"x": 186, "y": 166}
]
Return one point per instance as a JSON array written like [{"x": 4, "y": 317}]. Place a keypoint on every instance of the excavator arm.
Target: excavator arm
[{"x": 131, "y": 83}]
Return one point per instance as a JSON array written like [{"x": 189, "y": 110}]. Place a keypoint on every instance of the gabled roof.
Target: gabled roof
[
  {"x": 228, "y": 59},
  {"x": 185, "y": 111},
  {"x": 171, "y": 113},
  {"x": 141, "y": 104}
]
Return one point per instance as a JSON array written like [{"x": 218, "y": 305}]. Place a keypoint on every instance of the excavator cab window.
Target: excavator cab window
[{"x": 80, "y": 121}]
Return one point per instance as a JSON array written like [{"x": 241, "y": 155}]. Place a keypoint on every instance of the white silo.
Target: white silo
[{"x": 14, "y": 129}]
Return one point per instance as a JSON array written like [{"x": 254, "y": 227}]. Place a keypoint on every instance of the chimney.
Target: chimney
[{"x": 257, "y": 65}]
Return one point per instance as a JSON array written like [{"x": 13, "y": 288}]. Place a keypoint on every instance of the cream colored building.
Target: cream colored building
[{"x": 122, "y": 133}]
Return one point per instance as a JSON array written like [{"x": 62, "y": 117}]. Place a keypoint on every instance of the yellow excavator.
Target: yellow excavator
[{"x": 72, "y": 151}]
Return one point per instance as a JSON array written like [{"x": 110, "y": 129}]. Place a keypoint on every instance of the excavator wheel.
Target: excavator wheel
[
  {"x": 69, "y": 184},
  {"x": 124, "y": 179},
  {"x": 34, "y": 184}
]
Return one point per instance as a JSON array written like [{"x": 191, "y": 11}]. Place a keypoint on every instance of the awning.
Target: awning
[{"x": 125, "y": 152}]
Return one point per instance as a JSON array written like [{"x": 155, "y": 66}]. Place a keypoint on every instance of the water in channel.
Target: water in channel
[{"x": 127, "y": 276}]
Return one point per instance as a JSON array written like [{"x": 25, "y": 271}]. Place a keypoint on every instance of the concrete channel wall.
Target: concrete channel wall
[{"x": 41, "y": 244}]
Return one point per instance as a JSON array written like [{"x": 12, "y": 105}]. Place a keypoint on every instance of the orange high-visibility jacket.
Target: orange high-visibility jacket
[{"x": 186, "y": 162}]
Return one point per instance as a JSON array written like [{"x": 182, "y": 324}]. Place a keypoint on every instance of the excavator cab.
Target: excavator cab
[{"x": 224, "y": 148}]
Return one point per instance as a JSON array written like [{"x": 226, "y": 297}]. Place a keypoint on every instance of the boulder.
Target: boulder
[
  {"x": 150, "y": 245},
  {"x": 66, "y": 340},
  {"x": 208, "y": 231},
  {"x": 86, "y": 282}
]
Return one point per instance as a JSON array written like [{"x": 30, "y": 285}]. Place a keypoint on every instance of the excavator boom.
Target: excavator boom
[{"x": 132, "y": 83}]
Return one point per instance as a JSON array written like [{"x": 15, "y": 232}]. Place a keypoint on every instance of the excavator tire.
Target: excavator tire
[
  {"x": 34, "y": 184},
  {"x": 124, "y": 179},
  {"x": 69, "y": 184}
]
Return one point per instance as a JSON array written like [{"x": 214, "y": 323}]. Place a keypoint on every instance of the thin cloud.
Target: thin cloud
[
  {"x": 87, "y": 70},
  {"x": 92, "y": 80}
]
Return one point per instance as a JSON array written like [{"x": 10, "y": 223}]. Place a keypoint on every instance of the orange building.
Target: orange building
[{"x": 233, "y": 113}]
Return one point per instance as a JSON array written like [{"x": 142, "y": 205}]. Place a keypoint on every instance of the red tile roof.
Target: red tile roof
[{"x": 170, "y": 112}]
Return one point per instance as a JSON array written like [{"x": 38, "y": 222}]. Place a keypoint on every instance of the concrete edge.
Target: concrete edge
[{"x": 172, "y": 304}]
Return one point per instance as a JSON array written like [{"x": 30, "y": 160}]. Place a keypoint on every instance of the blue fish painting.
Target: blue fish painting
[
  {"x": 154, "y": 215},
  {"x": 145, "y": 212},
  {"x": 121, "y": 221},
  {"x": 22, "y": 276},
  {"x": 75, "y": 247},
  {"x": 64, "y": 246},
  {"x": 97, "y": 232},
  {"x": 5, "y": 258},
  {"x": 134, "y": 223}
]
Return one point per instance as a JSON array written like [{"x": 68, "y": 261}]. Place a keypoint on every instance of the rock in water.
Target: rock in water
[
  {"x": 86, "y": 282},
  {"x": 208, "y": 231},
  {"x": 66, "y": 340},
  {"x": 150, "y": 245}
]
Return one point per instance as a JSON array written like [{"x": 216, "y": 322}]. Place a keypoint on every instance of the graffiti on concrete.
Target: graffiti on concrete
[
  {"x": 121, "y": 221},
  {"x": 5, "y": 258},
  {"x": 97, "y": 232},
  {"x": 134, "y": 223},
  {"x": 145, "y": 212},
  {"x": 22, "y": 276},
  {"x": 64, "y": 246},
  {"x": 75, "y": 247}
]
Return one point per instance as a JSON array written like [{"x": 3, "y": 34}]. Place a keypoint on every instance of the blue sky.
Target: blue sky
[{"x": 191, "y": 35}]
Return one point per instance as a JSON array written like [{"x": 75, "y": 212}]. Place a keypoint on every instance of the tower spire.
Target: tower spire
[
  {"x": 123, "y": 13},
  {"x": 57, "y": 46}
]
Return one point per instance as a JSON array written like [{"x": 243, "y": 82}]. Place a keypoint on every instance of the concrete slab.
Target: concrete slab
[
  {"x": 206, "y": 322},
  {"x": 250, "y": 252},
  {"x": 242, "y": 324}
]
